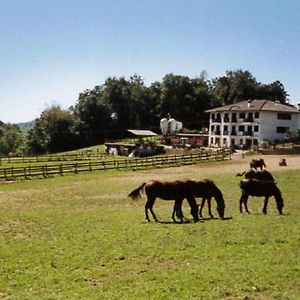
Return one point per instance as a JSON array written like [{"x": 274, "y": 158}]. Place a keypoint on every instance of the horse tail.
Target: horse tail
[
  {"x": 137, "y": 193},
  {"x": 241, "y": 174}
]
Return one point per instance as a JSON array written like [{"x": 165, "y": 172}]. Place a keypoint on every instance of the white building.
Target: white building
[{"x": 248, "y": 123}]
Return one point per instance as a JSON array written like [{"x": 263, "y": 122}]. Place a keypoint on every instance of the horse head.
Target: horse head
[{"x": 217, "y": 194}]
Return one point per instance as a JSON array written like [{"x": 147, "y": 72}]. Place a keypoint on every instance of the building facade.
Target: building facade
[{"x": 246, "y": 124}]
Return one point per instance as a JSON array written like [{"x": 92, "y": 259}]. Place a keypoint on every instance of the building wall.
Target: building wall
[
  {"x": 269, "y": 124},
  {"x": 250, "y": 129}
]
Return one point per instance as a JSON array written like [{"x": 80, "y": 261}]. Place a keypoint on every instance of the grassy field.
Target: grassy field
[{"x": 80, "y": 237}]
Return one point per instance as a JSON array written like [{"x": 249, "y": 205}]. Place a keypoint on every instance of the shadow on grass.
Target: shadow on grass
[{"x": 213, "y": 219}]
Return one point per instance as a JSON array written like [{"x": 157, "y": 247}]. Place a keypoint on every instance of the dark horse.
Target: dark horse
[
  {"x": 259, "y": 188},
  {"x": 166, "y": 190},
  {"x": 257, "y": 163},
  {"x": 206, "y": 190},
  {"x": 258, "y": 175}
]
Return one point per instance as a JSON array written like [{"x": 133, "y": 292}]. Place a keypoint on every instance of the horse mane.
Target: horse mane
[{"x": 136, "y": 193}]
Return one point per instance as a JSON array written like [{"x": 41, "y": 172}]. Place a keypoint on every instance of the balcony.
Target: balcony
[
  {"x": 216, "y": 120},
  {"x": 248, "y": 133},
  {"x": 225, "y": 132},
  {"x": 217, "y": 132},
  {"x": 248, "y": 120}
]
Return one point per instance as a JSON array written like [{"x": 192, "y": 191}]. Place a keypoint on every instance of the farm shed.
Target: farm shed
[
  {"x": 143, "y": 145},
  {"x": 192, "y": 140}
]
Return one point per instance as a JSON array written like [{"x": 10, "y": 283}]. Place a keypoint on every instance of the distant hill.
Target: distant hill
[{"x": 26, "y": 125}]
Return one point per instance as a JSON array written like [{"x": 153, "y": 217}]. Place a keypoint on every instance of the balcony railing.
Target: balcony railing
[
  {"x": 226, "y": 120},
  {"x": 233, "y": 132},
  {"x": 248, "y": 133},
  {"x": 249, "y": 120},
  {"x": 217, "y": 132},
  {"x": 216, "y": 120},
  {"x": 233, "y": 120}
]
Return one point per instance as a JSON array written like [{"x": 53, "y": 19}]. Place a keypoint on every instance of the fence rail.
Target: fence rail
[
  {"x": 54, "y": 158},
  {"x": 28, "y": 172}
]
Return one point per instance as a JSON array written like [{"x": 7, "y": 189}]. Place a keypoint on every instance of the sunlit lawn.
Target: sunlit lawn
[{"x": 80, "y": 237}]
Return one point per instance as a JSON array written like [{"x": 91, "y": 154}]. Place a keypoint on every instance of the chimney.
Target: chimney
[{"x": 249, "y": 103}]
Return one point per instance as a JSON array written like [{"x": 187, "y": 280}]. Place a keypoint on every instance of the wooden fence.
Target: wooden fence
[
  {"x": 29, "y": 172},
  {"x": 54, "y": 158}
]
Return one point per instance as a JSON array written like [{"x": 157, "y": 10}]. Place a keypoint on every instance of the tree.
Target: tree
[
  {"x": 235, "y": 86},
  {"x": 241, "y": 85},
  {"x": 11, "y": 140},
  {"x": 52, "y": 132}
]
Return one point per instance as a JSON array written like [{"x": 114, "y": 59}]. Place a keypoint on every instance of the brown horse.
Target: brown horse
[
  {"x": 258, "y": 175},
  {"x": 259, "y": 188},
  {"x": 206, "y": 190},
  {"x": 257, "y": 163},
  {"x": 166, "y": 190},
  {"x": 179, "y": 190}
]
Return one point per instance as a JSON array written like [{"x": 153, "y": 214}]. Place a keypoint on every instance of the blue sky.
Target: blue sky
[{"x": 51, "y": 50}]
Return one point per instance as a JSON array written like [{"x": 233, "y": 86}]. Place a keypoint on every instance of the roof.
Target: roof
[
  {"x": 256, "y": 105},
  {"x": 142, "y": 132}
]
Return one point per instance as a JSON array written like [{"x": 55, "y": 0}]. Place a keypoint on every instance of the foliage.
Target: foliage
[
  {"x": 11, "y": 140},
  {"x": 241, "y": 85},
  {"x": 52, "y": 132}
]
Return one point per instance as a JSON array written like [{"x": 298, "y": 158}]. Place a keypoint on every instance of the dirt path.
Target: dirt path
[{"x": 235, "y": 165}]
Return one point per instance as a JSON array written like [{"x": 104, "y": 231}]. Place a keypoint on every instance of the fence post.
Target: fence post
[{"x": 61, "y": 170}]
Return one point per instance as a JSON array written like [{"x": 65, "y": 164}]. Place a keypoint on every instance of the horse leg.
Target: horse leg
[
  {"x": 148, "y": 206},
  {"x": 265, "y": 205},
  {"x": 246, "y": 197},
  {"x": 209, "y": 207},
  {"x": 241, "y": 203},
  {"x": 201, "y": 207},
  {"x": 178, "y": 210},
  {"x": 194, "y": 207},
  {"x": 243, "y": 200}
]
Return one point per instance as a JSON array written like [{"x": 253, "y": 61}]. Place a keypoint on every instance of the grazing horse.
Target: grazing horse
[
  {"x": 166, "y": 190},
  {"x": 258, "y": 175},
  {"x": 206, "y": 190},
  {"x": 259, "y": 188},
  {"x": 257, "y": 163}
]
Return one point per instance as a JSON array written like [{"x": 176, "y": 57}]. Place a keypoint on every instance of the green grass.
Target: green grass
[{"x": 80, "y": 237}]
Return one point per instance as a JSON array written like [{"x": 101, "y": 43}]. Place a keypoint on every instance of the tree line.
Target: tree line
[{"x": 108, "y": 110}]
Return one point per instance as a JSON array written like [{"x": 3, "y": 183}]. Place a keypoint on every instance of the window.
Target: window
[
  {"x": 241, "y": 141},
  {"x": 212, "y": 116},
  {"x": 212, "y": 127},
  {"x": 255, "y": 142},
  {"x": 281, "y": 129},
  {"x": 256, "y": 115},
  {"x": 241, "y": 128},
  {"x": 284, "y": 116},
  {"x": 256, "y": 128},
  {"x": 242, "y": 115}
]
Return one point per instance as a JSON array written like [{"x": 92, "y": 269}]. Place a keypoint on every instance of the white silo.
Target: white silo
[
  {"x": 178, "y": 126},
  {"x": 164, "y": 126},
  {"x": 172, "y": 126}
]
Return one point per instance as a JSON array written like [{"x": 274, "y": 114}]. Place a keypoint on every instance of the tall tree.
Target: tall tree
[
  {"x": 235, "y": 86},
  {"x": 241, "y": 85},
  {"x": 52, "y": 132},
  {"x": 12, "y": 139}
]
